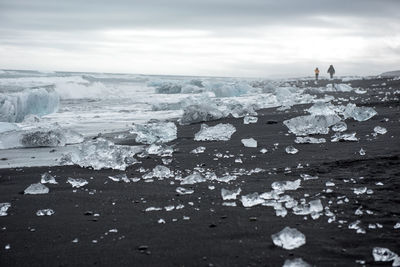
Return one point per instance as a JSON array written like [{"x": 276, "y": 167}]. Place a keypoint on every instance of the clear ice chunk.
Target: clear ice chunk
[
  {"x": 198, "y": 150},
  {"x": 193, "y": 178},
  {"x": 309, "y": 140},
  {"x": 230, "y": 194},
  {"x": 289, "y": 238},
  {"x": 36, "y": 189},
  {"x": 200, "y": 113},
  {"x": 161, "y": 172},
  {"x": 314, "y": 206},
  {"x": 184, "y": 191},
  {"x": 385, "y": 255},
  {"x": 380, "y": 130},
  {"x": 362, "y": 152},
  {"x": 251, "y": 200},
  {"x": 343, "y": 137},
  {"x": 4, "y": 208},
  {"x": 250, "y": 142},
  {"x": 157, "y": 132},
  {"x": 311, "y": 124},
  {"x": 219, "y": 132},
  {"x": 297, "y": 262},
  {"x": 47, "y": 178},
  {"x": 77, "y": 182},
  {"x": 358, "y": 113},
  {"x": 45, "y": 212},
  {"x": 291, "y": 150},
  {"x": 120, "y": 178},
  {"x": 339, "y": 127},
  {"x": 250, "y": 119},
  {"x": 286, "y": 185}
]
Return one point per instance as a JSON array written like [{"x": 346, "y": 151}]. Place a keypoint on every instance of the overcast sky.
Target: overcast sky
[{"x": 247, "y": 38}]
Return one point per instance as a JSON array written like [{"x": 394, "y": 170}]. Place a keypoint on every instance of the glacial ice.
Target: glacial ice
[
  {"x": 250, "y": 119},
  {"x": 380, "y": 130},
  {"x": 251, "y": 200},
  {"x": 193, "y": 178},
  {"x": 309, "y": 140},
  {"x": 358, "y": 113},
  {"x": 39, "y": 101},
  {"x": 77, "y": 182},
  {"x": 286, "y": 185},
  {"x": 45, "y": 212},
  {"x": 250, "y": 142},
  {"x": 36, "y": 189},
  {"x": 311, "y": 124},
  {"x": 385, "y": 255},
  {"x": 297, "y": 262},
  {"x": 200, "y": 113},
  {"x": 339, "y": 127},
  {"x": 157, "y": 132},
  {"x": 219, "y": 132},
  {"x": 314, "y": 206},
  {"x": 102, "y": 154},
  {"x": 289, "y": 238},
  {"x": 4, "y": 208},
  {"x": 322, "y": 108},
  {"x": 350, "y": 137},
  {"x": 291, "y": 150},
  {"x": 47, "y": 178},
  {"x": 339, "y": 87},
  {"x": 230, "y": 194},
  {"x": 160, "y": 172}
]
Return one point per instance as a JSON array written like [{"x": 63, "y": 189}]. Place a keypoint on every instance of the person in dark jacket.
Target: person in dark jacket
[
  {"x": 316, "y": 73},
  {"x": 331, "y": 71}
]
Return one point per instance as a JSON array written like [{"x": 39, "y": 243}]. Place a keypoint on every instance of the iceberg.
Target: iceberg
[
  {"x": 36, "y": 189},
  {"x": 358, "y": 113},
  {"x": 219, "y": 132},
  {"x": 102, "y": 154},
  {"x": 250, "y": 142},
  {"x": 38, "y": 101},
  {"x": 157, "y": 132},
  {"x": 289, "y": 238},
  {"x": 311, "y": 124}
]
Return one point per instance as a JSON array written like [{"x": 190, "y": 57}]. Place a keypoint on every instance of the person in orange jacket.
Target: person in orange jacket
[
  {"x": 316, "y": 73},
  {"x": 331, "y": 71}
]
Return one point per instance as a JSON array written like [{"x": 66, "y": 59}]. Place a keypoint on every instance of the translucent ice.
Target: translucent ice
[
  {"x": 291, "y": 150},
  {"x": 184, "y": 191},
  {"x": 311, "y": 124},
  {"x": 194, "y": 178},
  {"x": 286, "y": 185},
  {"x": 219, "y": 132},
  {"x": 362, "y": 152},
  {"x": 309, "y": 140},
  {"x": 47, "y": 178},
  {"x": 3, "y": 208},
  {"x": 230, "y": 194},
  {"x": 35, "y": 189},
  {"x": 384, "y": 254},
  {"x": 358, "y": 113},
  {"x": 289, "y": 238},
  {"x": 120, "y": 178},
  {"x": 198, "y": 150},
  {"x": 45, "y": 212},
  {"x": 250, "y": 142},
  {"x": 322, "y": 108},
  {"x": 297, "y": 262},
  {"x": 161, "y": 172},
  {"x": 76, "y": 183},
  {"x": 200, "y": 113},
  {"x": 251, "y": 200},
  {"x": 157, "y": 132},
  {"x": 380, "y": 130},
  {"x": 339, "y": 127},
  {"x": 314, "y": 206},
  {"x": 250, "y": 119},
  {"x": 342, "y": 137}
]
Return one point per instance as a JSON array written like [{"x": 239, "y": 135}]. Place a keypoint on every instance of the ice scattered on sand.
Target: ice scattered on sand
[
  {"x": 230, "y": 194},
  {"x": 358, "y": 113},
  {"x": 47, "y": 178},
  {"x": 264, "y": 150},
  {"x": 362, "y": 152},
  {"x": 396, "y": 226},
  {"x": 289, "y": 238},
  {"x": 45, "y": 212},
  {"x": 36, "y": 189},
  {"x": 120, "y": 178},
  {"x": 291, "y": 150},
  {"x": 311, "y": 124},
  {"x": 339, "y": 127},
  {"x": 286, "y": 185},
  {"x": 385, "y": 255},
  {"x": 7, "y": 247},
  {"x": 162, "y": 221},
  {"x": 251, "y": 200},
  {"x": 297, "y": 262},
  {"x": 343, "y": 137},
  {"x": 360, "y": 190},
  {"x": 380, "y": 130},
  {"x": 161, "y": 172},
  {"x": 160, "y": 150},
  {"x": 102, "y": 154},
  {"x": 250, "y": 142},
  {"x": 4, "y": 208},
  {"x": 224, "y": 179},
  {"x": 250, "y": 119},
  {"x": 77, "y": 182},
  {"x": 322, "y": 108},
  {"x": 193, "y": 178},
  {"x": 198, "y": 150},
  {"x": 153, "y": 209},
  {"x": 184, "y": 191},
  {"x": 229, "y": 204},
  {"x": 200, "y": 113},
  {"x": 219, "y": 132},
  {"x": 313, "y": 207},
  {"x": 309, "y": 140},
  {"x": 157, "y": 132},
  {"x": 169, "y": 208}
]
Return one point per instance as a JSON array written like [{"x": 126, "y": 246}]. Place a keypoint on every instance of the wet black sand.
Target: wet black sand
[{"x": 216, "y": 235}]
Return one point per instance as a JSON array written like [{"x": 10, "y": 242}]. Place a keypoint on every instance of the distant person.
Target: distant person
[
  {"x": 331, "y": 71},
  {"x": 316, "y": 71}
]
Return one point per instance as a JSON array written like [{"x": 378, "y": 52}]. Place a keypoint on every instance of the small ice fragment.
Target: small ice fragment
[
  {"x": 396, "y": 226},
  {"x": 3, "y": 208},
  {"x": 359, "y": 190},
  {"x": 297, "y": 262},
  {"x": 186, "y": 218},
  {"x": 194, "y": 178},
  {"x": 250, "y": 119},
  {"x": 362, "y": 152},
  {"x": 380, "y": 130},
  {"x": 161, "y": 221},
  {"x": 77, "y": 183},
  {"x": 114, "y": 230},
  {"x": 45, "y": 212},
  {"x": 219, "y": 132},
  {"x": 351, "y": 137},
  {"x": 169, "y": 208},
  {"x": 385, "y": 255},
  {"x": 198, "y": 150},
  {"x": 35, "y": 189},
  {"x": 329, "y": 183},
  {"x": 286, "y": 185},
  {"x": 230, "y": 194},
  {"x": 7, "y": 247},
  {"x": 229, "y": 204},
  {"x": 153, "y": 209},
  {"x": 339, "y": 127},
  {"x": 184, "y": 191},
  {"x": 251, "y": 200},
  {"x": 308, "y": 177},
  {"x": 250, "y": 142},
  {"x": 238, "y": 160},
  {"x": 225, "y": 179},
  {"x": 309, "y": 140},
  {"x": 47, "y": 178},
  {"x": 289, "y": 238},
  {"x": 263, "y": 150},
  {"x": 211, "y": 187},
  {"x": 314, "y": 206},
  {"x": 291, "y": 150},
  {"x": 119, "y": 178},
  {"x": 76, "y": 240}
]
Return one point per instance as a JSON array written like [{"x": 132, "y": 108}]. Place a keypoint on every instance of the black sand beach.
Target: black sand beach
[{"x": 204, "y": 232}]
